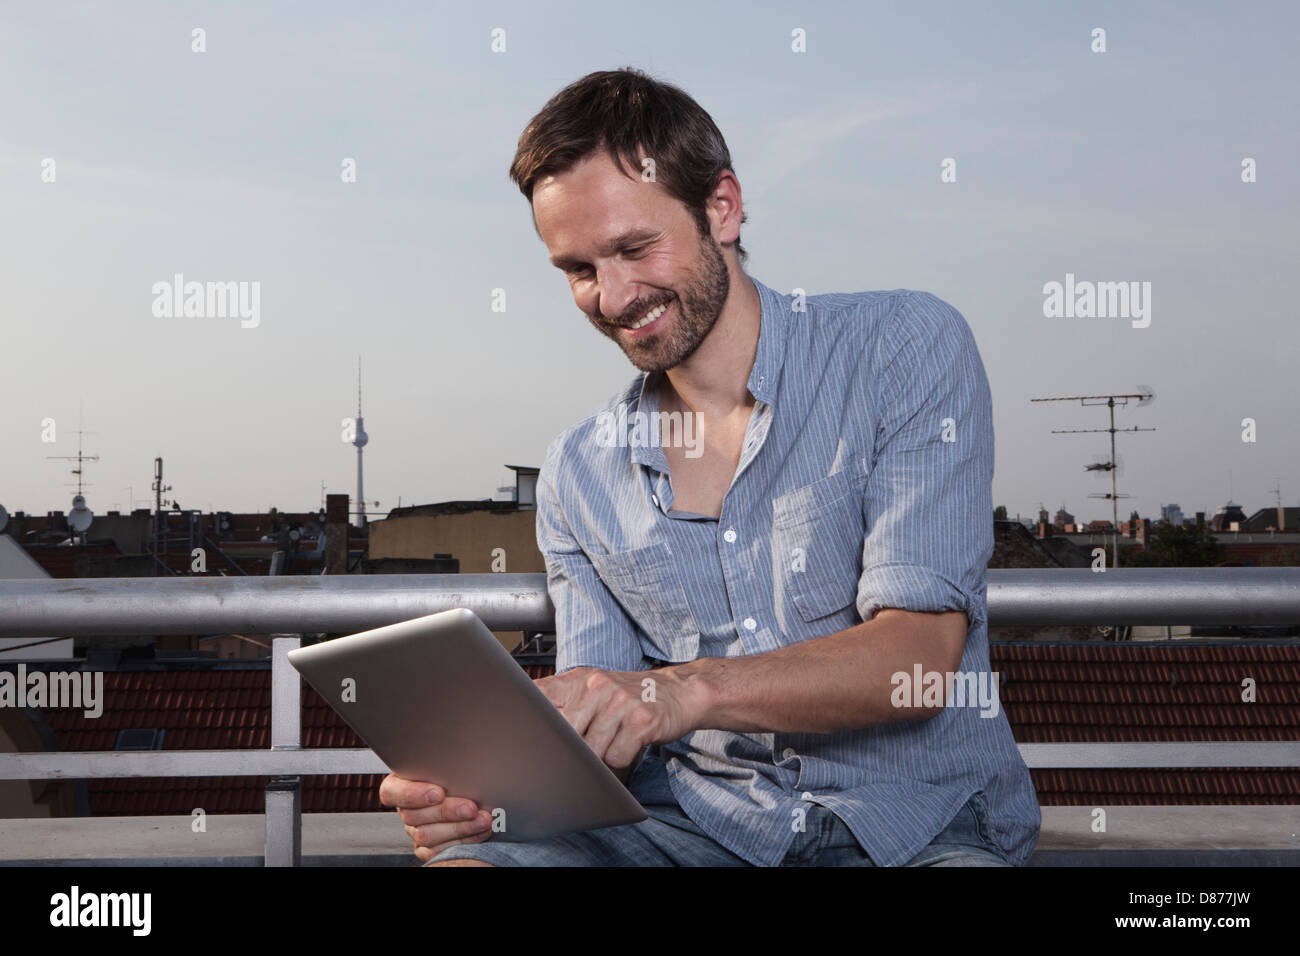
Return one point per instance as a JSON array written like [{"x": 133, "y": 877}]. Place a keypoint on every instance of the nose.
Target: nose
[{"x": 618, "y": 291}]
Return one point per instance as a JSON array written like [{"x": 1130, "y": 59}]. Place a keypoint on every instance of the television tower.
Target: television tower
[{"x": 359, "y": 440}]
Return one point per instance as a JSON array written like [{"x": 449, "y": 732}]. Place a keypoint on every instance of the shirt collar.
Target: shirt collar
[{"x": 774, "y": 321}]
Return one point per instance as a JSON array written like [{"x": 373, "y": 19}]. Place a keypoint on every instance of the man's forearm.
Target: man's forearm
[{"x": 837, "y": 682}]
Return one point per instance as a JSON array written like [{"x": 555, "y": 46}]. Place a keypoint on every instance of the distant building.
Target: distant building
[
  {"x": 1229, "y": 517},
  {"x": 1273, "y": 519},
  {"x": 476, "y": 536}
]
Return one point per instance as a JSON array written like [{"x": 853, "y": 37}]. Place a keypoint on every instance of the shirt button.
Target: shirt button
[
  {"x": 787, "y": 753},
  {"x": 750, "y": 623},
  {"x": 729, "y": 535},
  {"x": 806, "y": 795}
]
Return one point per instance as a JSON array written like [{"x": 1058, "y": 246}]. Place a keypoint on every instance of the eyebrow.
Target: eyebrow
[{"x": 631, "y": 237}]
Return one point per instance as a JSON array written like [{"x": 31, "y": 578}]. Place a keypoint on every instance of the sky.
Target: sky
[{"x": 127, "y": 157}]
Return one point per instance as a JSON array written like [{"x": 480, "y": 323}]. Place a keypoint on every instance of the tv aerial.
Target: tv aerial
[
  {"x": 80, "y": 459},
  {"x": 1144, "y": 396}
]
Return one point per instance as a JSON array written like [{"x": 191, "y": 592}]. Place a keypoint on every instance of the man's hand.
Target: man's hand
[
  {"x": 616, "y": 712},
  {"x": 620, "y": 712},
  {"x": 434, "y": 821}
]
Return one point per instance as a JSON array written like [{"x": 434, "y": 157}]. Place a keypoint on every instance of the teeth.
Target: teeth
[{"x": 650, "y": 317}]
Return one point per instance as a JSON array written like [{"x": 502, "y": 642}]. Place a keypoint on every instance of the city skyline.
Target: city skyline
[{"x": 348, "y": 176}]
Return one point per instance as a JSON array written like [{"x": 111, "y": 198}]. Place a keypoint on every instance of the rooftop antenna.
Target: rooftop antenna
[
  {"x": 79, "y": 458},
  {"x": 158, "y": 488},
  {"x": 1144, "y": 396},
  {"x": 79, "y": 517}
]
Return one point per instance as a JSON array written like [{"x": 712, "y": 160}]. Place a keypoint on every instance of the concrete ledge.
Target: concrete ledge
[
  {"x": 1174, "y": 858},
  {"x": 328, "y": 839},
  {"x": 1170, "y": 836},
  {"x": 1134, "y": 836}
]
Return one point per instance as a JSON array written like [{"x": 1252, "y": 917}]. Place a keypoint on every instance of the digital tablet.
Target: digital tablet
[{"x": 438, "y": 698}]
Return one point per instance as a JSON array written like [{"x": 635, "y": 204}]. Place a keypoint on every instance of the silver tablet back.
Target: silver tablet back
[{"x": 439, "y": 699}]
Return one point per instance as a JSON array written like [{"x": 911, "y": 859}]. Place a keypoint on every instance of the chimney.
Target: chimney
[
  {"x": 1044, "y": 529},
  {"x": 1143, "y": 530},
  {"x": 525, "y": 491},
  {"x": 336, "y": 534},
  {"x": 1281, "y": 518},
  {"x": 1200, "y": 520}
]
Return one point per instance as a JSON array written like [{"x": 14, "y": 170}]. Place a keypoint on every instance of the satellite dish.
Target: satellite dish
[
  {"x": 4, "y": 517},
  {"x": 80, "y": 517}
]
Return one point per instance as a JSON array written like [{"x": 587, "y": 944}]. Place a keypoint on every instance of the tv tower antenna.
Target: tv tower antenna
[
  {"x": 1144, "y": 396},
  {"x": 359, "y": 440}
]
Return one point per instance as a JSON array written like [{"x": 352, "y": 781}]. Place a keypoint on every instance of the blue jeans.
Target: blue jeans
[{"x": 670, "y": 838}]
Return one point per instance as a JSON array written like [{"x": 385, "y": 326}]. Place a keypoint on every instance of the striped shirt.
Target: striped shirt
[{"x": 864, "y": 482}]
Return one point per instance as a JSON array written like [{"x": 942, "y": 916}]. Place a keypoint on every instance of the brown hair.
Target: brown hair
[{"x": 623, "y": 111}]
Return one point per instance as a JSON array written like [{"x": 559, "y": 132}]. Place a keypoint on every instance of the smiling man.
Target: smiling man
[{"x": 781, "y": 588}]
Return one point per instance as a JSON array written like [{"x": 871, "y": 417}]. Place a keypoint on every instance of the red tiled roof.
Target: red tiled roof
[
  {"x": 1168, "y": 692},
  {"x": 1050, "y": 693},
  {"x": 61, "y": 562},
  {"x": 207, "y": 710}
]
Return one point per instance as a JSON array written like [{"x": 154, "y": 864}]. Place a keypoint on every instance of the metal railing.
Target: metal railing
[{"x": 288, "y": 607}]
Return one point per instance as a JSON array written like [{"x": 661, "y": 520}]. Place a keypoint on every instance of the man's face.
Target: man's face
[{"x": 627, "y": 247}]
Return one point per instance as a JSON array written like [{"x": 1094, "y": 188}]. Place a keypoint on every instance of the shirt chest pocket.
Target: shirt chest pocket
[
  {"x": 649, "y": 585},
  {"x": 817, "y": 538}
]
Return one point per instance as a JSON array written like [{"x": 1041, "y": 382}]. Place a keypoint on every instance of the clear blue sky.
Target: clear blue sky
[{"x": 225, "y": 165}]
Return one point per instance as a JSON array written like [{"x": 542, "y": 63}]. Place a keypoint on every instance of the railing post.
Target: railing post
[{"x": 284, "y": 794}]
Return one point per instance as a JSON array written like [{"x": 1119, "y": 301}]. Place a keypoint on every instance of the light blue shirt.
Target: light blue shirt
[{"x": 864, "y": 483}]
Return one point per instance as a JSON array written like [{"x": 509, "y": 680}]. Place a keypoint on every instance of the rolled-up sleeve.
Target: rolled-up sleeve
[
  {"x": 928, "y": 499},
  {"x": 591, "y": 628}
]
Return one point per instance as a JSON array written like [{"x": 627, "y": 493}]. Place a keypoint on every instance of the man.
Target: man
[{"x": 799, "y": 570}]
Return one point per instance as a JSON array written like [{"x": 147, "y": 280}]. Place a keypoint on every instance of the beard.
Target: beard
[{"x": 699, "y": 303}]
